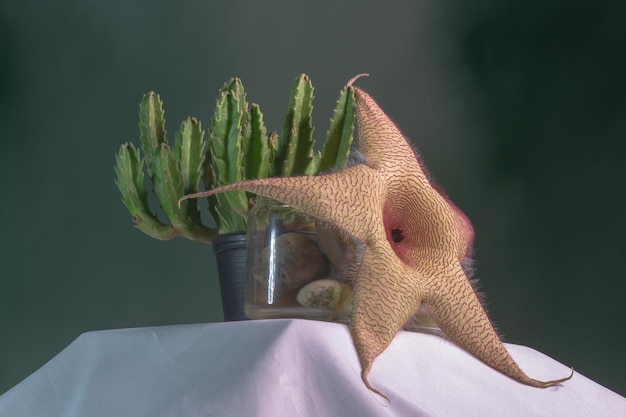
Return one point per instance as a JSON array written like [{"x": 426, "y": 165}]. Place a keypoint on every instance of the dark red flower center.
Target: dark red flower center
[{"x": 396, "y": 235}]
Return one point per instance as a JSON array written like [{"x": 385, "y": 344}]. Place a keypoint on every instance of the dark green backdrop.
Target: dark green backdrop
[{"x": 518, "y": 109}]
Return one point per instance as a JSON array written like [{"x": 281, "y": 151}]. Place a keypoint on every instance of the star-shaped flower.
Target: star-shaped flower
[{"x": 416, "y": 241}]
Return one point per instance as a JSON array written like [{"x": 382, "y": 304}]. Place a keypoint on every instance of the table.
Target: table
[{"x": 288, "y": 368}]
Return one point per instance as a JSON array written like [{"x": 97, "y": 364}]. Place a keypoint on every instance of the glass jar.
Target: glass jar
[
  {"x": 300, "y": 269},
  {"x": 290, "y": 275}
]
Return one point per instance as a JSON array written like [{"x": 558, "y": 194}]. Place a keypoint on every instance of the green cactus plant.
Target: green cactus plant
[{"x": 238, "y": 147}]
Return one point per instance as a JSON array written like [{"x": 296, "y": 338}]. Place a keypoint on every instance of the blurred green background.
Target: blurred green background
[{"x": 518, "y": 110}]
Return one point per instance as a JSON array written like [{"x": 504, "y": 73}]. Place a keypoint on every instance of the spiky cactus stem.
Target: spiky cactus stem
[
  {"x": 172, "y": 174},
  {"x": 238, "y": 148}
]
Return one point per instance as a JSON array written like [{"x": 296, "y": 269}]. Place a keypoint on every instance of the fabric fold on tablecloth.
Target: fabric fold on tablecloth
[{"x": 288, "y": 367}]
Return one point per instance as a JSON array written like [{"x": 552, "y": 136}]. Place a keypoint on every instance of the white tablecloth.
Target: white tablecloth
[{"x": 288, "y": 368}]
